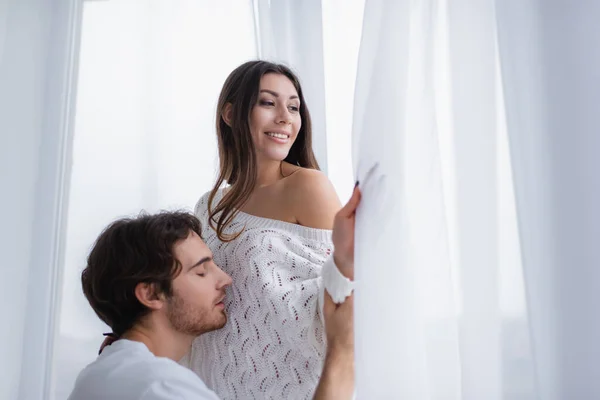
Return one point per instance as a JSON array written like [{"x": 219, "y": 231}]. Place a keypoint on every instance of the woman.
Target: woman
[{"x": 270, "y": 229}]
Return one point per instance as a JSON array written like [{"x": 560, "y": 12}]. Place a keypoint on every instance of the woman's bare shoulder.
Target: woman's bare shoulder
[{"x": 312, "y": 197}]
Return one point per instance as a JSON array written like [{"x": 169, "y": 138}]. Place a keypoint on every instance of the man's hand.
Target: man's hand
[{"x": 343, "y": 235}]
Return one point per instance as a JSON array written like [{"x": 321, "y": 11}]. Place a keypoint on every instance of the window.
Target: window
[{"x": 150, "y": 73}]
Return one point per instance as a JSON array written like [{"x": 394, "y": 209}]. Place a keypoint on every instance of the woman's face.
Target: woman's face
[{"x": 275, "y": 118}]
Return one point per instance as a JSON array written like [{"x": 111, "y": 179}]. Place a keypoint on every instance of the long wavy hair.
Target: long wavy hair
[{"x": 237, "y": 155}]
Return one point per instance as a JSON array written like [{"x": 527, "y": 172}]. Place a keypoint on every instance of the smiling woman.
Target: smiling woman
[
  {"x": 276, "y": 119},
  {"x": 250, "y": 156},
  {"x": 269, "y": 228}
]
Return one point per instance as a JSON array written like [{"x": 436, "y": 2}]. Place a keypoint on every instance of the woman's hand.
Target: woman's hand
[{"x": 343, "y": 235}]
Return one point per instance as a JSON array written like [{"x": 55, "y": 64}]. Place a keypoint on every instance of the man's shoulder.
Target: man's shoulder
[
  {"x": 140, "y": 377},
  {"x": 173, "y": 381},
  {"x": 177, "y": 387}
]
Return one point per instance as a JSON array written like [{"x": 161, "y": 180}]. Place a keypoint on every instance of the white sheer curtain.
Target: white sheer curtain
[
  {"x": 3, "y": 24},
  {"x": 342, "y": 29},
  {"x": 291, "y": 32},
  {"x": 441, "y": 294},
  {"x": 36, "y": 47},
  {"x": 551, "y": 75},
  {"x": 461, "y": 297},
  {"x": 442, "y": 308},
  {"x": 149, "y": 79}
]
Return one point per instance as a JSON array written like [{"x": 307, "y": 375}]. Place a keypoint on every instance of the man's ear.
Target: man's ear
[
  {"x": 227, "y": 114},
  {"x": 148, "y": 295}
]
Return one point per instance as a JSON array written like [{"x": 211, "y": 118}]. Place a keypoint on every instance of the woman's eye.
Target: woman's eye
[
  {"x": 266, "y": 103},
  {"x": 294, "y": 108},
  {"x": 201, "y": 274}
]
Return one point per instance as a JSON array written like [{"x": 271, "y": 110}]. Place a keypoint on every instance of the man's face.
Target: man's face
[{"x": 197, "y": 305}]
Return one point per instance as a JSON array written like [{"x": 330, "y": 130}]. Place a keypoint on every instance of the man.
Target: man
[{"x": 153, "y": 281}]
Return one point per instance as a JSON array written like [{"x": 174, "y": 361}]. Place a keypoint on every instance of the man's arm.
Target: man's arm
[{"x": 337, "y": 379}]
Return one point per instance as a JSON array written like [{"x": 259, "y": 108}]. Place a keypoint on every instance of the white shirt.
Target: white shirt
[{"x": 127, "y": 370}]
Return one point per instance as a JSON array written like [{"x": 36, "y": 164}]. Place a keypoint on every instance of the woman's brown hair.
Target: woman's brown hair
[{"x": 237, "y": 156}]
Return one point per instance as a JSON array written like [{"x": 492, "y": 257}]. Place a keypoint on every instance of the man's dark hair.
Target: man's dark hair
[{"x": 132, "y": 251}]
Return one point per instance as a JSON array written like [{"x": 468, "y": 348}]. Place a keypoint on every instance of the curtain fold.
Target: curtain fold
[
  {"x": 36, "y": 50},
  {"x": 471, "y": 46},
  {"x": 440, "y": 284},
  {"x": 550, "y": 75},
  {"x": 291, "y": 32},
  {"x": 342, "y": 30},
  {"x": 380, "y": 312},
  {"x": 20, "y": 90},
  {"x": 3, "y": 26},
  {"x": 406, "y": 334}
]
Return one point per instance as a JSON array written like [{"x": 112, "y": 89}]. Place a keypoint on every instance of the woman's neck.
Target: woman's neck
[{"x": 269, "y": 172}]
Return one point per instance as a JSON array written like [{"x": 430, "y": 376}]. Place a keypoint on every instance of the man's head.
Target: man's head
[{"x": 155, "y": 269}]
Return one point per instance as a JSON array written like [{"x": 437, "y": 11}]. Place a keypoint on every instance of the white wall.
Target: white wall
[{"x": 31, "y": 75}]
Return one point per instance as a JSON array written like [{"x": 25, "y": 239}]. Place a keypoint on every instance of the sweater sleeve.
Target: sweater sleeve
[{"x": 337, "y": 285}]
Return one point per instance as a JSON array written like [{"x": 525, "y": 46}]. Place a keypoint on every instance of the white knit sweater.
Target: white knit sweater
[{"x": 273, "y": 344}]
